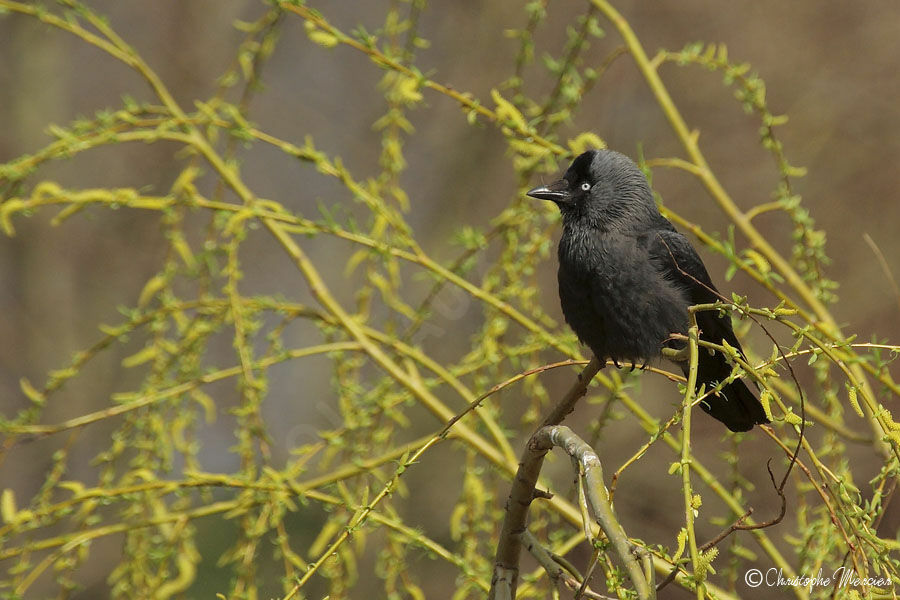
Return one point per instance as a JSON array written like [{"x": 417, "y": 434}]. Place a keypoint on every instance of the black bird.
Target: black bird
[{"x": 627, "y": 278}]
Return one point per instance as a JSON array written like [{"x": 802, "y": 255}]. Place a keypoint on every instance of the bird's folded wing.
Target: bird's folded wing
[{"x": 674, "y": 255}]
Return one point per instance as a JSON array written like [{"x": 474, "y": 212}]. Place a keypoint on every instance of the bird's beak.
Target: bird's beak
[{"x": 558, "y": 191}]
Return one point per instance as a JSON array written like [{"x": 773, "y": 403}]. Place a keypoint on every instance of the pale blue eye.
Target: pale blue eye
[{"x": 585, "y": 186}]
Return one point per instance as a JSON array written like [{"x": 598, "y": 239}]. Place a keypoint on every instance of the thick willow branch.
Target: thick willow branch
[
  {"x": 506, "y": 562},
  {"x": 598, "y": 498},
  {"x": 560, "y": 571},
  {"x": 506, "y": 574}
]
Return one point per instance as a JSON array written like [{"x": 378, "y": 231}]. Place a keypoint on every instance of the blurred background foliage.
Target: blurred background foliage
[{"x": 256, "y": 255}]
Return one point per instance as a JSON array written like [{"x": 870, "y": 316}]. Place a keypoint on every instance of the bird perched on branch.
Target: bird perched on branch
[{"x": 627, "y": 278}]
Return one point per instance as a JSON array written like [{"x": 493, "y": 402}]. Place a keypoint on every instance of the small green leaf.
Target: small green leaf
[
  {"x": 150, "y": 288},
  {"x": 321, "y": 37},
  {"x": 148, "y": 353},
  {"x": 8, "y": 506},
  {"x": 29, "y": 390},
  {"x": 507, "y": 112}
]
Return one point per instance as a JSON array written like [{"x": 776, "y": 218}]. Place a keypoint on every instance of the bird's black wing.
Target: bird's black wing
[{"x": 675, "y": 257}]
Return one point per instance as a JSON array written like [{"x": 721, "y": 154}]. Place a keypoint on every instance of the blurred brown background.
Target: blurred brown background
[{"x": 832, "y": 67}]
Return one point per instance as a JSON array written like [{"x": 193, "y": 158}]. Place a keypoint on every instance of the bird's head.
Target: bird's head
[{"x": 604, "y": 189}]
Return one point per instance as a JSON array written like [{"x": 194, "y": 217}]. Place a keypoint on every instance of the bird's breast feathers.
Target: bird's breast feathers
[{"x": 615, "y": 298}]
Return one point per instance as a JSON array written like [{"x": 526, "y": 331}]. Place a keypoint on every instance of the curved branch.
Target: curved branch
[
  {"x": 598, "y": 498},
  {"x": 506, "y": 562}
]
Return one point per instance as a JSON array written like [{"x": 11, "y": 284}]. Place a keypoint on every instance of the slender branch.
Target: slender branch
[
  {"x": 171, "y": 392},
  {"x": 464, "y": 99},
  {"x": 885, "y": 268},
  {"x": 687, "y": 490}
]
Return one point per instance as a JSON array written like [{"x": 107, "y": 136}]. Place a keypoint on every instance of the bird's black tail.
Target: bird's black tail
[{"x": 734, "y": 405}]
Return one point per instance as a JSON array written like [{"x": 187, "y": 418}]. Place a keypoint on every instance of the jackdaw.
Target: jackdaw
[{"x": 627, "y": 278}]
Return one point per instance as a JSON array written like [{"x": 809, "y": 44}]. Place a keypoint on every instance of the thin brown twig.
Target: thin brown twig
[{"x": 885, "y": 268}]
